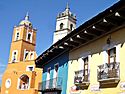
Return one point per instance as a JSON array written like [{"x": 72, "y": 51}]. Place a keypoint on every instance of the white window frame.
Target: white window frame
[
  {"x": 81, "y": 63},
  {"x": 105, "y": 54},
  {"x": 13, "y": 55},
  {"x": 16, "y": 36},
  {"x": 55, "y": 75},
  {"x": 31, "y": 58},
  {"x": 109, "y": 55},
  {"x": 27, "y": 68},
  {"x": 47, "y": 73},
  {"x": 55, "y": 70},
  {"x": 71, "y": 27},
  {"x": 61, "y": 26},
  {"x": 48, "y": 78},
  {"x": 30, "y": 36},
  {"x": 118, "y": 52},
  {"x": 105, "y": 57},
  {"x": 18, "y": 83},
  {"x": 25, "y": 51},
  {"x": 89, "y": 60}
]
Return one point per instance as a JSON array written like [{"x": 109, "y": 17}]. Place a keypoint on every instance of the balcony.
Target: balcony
[
  {"x": 81, "y": 78},
  {"x": 51, "y": 85},
  {"x": 109, "y": 73}
]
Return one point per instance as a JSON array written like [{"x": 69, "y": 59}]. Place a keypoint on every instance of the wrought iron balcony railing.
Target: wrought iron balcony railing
[
  {"x": 108, "y": 71},
  {"x": 81, "y": 78},
  {"x": 55, "y": 83}
]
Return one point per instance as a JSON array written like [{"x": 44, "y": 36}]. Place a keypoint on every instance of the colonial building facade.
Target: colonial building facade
[
  {"x": 21, "y": 76},
  {"x": 90, "y": 59}
]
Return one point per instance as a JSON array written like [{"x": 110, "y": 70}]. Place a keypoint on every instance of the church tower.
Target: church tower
[
  {"x": 23, "y": 41},
  {"x": 65, "y": 23},
  {"x": 21, "y": 75}
]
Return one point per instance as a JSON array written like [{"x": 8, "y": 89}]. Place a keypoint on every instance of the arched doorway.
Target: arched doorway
[{"x": 23, "y": 82}]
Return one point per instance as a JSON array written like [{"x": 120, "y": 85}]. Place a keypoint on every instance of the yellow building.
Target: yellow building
[
  {"x": 21, "y": 76},
  {"x": 90, "y": 59},
  {"x": 97, "y": 66}
]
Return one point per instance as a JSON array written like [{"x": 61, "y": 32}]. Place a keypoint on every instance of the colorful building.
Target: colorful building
[
  {"x": 88, "y": 60},
  {"x": 21, "y": 75},
  {"x": 55, "y": 71}
]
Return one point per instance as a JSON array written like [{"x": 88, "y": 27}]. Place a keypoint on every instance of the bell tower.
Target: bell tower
[
  {"x": 23, "y": 41},
  {"x": 21, "y": 75},
  {"x": 65, "y": 23}
]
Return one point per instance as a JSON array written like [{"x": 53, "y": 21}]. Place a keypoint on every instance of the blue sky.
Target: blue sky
[{"x": 43, "y": 17}]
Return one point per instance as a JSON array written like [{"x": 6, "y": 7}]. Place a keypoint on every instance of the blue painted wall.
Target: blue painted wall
[{"x": 62, "y": 60}]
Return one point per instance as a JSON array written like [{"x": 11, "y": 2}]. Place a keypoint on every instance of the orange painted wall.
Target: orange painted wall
[{"x": 14, "y": 72}]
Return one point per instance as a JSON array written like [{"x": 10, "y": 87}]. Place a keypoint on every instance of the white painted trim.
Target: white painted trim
[
  {"x": 16, "y": 35},
  {"x": 118, "y": 53},
  {"x": 25, "y": 51},
  {"x": 29, "y": 83},
  {"x": 31, "y": 37},
  {"x": 18, "y": 83},
  {"x": 48, "y": 74},
  {"x": 81, "y": 63},
  {"x": 27, "y": 34},
  {"x": 31, "y": 58},
  {"x": 89, "y": 59},
  {"x": 6, "y": 83},
  {"x": 24, "y": 54},
  {"x": 13, "y": 55},
  {"x": 55, "y": 74},
  {"x": 105, "y": 57},
  {"x": 48, "y": 78},
  {"x": 27, "y": 67},
  {"x": 107, "y": 47}
]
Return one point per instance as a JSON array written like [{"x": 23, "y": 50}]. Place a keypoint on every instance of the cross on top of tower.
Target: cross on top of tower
[
  {"x": 67, "y": 6},
  {"x": 27, "y": 16},
  {"x": 67, "y": 12},
  {"x": 26, "y": 21}
]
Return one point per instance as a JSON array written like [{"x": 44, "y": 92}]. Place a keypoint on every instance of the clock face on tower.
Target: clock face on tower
[{"x": 8, "y": 83}]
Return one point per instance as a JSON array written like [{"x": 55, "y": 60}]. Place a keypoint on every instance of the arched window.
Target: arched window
[
  {"x": 61, "y": 26},
  {"x": 25, "y": 54},
  {"x": 31, "y": 56},
  {"x": 29, "y": 36},
  {"x": 71, "y": 27},
  {"x": 14, "y": 56},
  {"x": 23, "y": 82},
  {"x": 17, "y": 36}
]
